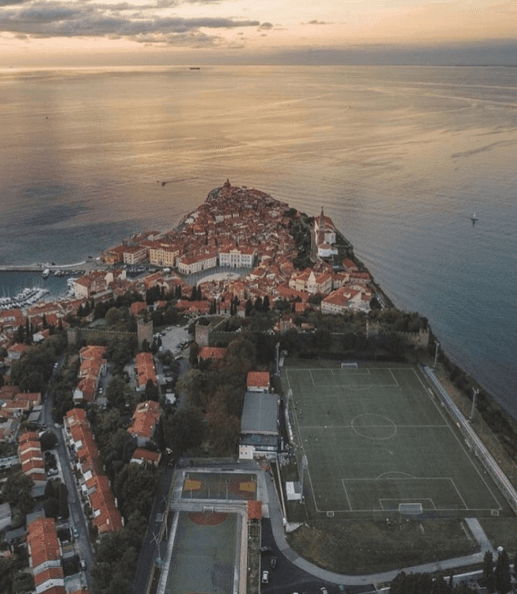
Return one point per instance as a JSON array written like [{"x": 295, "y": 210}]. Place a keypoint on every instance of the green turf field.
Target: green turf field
[
  {"x": 375, "y": 438},
  {"x": 203, "y": 557}
]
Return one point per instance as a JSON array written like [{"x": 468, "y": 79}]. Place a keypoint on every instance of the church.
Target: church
[{"x": 325, "y": 236}]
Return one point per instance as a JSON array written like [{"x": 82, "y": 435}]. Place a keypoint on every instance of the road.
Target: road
[
  {"x": 287, "y": 578},
  {"x": 77, "y": 518}
]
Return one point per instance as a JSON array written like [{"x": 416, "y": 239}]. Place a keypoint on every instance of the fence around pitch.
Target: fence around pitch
[{"x": 475, "y": 443}]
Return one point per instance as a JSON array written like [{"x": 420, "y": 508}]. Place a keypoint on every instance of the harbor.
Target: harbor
[
  {"x": 22, "y": 289},
  {"x": 24, "y": 299}
]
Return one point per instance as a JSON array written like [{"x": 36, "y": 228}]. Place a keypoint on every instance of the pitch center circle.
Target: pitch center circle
[{"x": 374, "y": 426}]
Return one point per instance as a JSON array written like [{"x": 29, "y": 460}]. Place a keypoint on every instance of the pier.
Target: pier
[
  {"x": 85, "y": 264},
  {"x": 23, "y": 268}
]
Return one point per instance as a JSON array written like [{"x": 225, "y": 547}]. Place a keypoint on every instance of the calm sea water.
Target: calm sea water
[{"x": 399, "y": 157}]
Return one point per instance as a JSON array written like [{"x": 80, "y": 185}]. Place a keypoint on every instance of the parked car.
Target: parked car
[
  {"x": 266, "y": 550},
  {"x": 83, "y": 565},
  {"x": 265, "y": 577},
  {"x": 324, "y": 590},
  {"x": 75, "y": 532},
  {"x": 273, "y": 562}
]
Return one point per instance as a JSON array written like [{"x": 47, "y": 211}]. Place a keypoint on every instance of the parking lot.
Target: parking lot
[{"x": 173, "y": 336}]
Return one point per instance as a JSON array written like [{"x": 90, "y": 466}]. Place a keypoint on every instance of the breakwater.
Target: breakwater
[{"x": 41, "y": 267}]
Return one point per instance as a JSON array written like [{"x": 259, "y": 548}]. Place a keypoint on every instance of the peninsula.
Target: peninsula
[{"x": 244, "y": 372}]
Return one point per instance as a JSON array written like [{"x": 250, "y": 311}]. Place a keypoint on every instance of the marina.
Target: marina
[
  {"x": 23, "y": 299},
  {"x": 20, "y": 290}
]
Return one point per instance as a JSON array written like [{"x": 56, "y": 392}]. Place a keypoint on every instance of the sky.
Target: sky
[{"x": 136, "y": 32}]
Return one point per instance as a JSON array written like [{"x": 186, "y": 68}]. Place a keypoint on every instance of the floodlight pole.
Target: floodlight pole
[
  {"x": 304, "y": 466},
  {"x": 436, "y": 356},
  {"x": 473, "y": 409}
]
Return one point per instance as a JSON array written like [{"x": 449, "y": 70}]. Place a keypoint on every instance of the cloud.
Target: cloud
[
  {"x": 56, "y": 18},
  {"x": 265, "y": 26},
  {"x": 316, "y": 22},
  {"x": 9, "y": 2}
]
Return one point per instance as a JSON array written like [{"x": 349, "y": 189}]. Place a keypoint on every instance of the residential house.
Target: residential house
[
  {"x": 45, "y": 556},
  {"x": 145, "y": 370},
  {"x": 106, "y": 516},
  {"x": 94, "y": 483},
  {"x": 143, "y": 456},
  {"x": 145, "y": 419}
]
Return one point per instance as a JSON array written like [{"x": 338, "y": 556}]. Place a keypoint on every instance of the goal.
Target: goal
[
  {"x": 410, "y": 509},
  {"x": 349, "y": 365}
]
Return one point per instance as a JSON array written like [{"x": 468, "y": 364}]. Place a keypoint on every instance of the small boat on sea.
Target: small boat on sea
[
  {"x": 474, "y": 219},
  {"x": 45, "y": 273}
]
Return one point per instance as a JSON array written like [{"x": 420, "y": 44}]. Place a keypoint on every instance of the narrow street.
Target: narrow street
[{"x": 77, "y": 518}]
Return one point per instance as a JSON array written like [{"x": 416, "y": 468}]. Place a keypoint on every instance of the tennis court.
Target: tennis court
[{"x": 375, "y": 438}]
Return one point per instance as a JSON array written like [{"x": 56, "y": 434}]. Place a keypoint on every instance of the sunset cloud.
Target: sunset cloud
[
  {"x": 121, "y": 20},
  {"x": 40, "y": 28}
]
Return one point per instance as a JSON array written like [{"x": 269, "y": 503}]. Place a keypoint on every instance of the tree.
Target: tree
[
  {"x": 193, "y": 353},
  {"x": 51, "y": 507},
  {"x": 64, "y": 510},
  {"x": 17, "y": 491},
  {"x": 119, "y": 393},
  {"x": 184, "y": 430},
  {"x": 135, "y": 488},
  {"x": 117, "y": 553},
  {"x": 48, "y": 441},
  {"x": 503, "y": 578},
  {"x": 23, "y": 582},
  {"x": 151, "y": 391},
  {"x": 488, "y": 571},
  {"x": 113, "y": 316}
]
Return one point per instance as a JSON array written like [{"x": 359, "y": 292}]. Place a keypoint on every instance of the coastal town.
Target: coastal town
[{"x": 181, "y": 299}]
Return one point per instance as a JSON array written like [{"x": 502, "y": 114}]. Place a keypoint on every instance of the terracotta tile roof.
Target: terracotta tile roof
[
  {"x": 52, "y": 573},
  {"x": 211, "y": 353},
  {"x": 137, "y": 307},
  {"x": 93, "y": 352},
  {"x": 143, "y": 455},
  {"x": 43, "y": 542},
  {"x": 258, "y": 379},
  {"x": 145, "y": 368},
  {"x": 254, "y": 510},
  {"x": 107, "y": 517}
]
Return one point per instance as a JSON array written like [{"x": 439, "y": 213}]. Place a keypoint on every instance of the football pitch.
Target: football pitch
[{"x": 376, "y": 438}]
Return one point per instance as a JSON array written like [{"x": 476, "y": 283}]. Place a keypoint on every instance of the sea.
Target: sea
[{"x": 399, "y": 157}]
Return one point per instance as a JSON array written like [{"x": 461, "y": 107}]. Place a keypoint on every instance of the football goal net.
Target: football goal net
[
  {"x": 349, "y": 365},
  {"x": 410, "y": 509}
]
